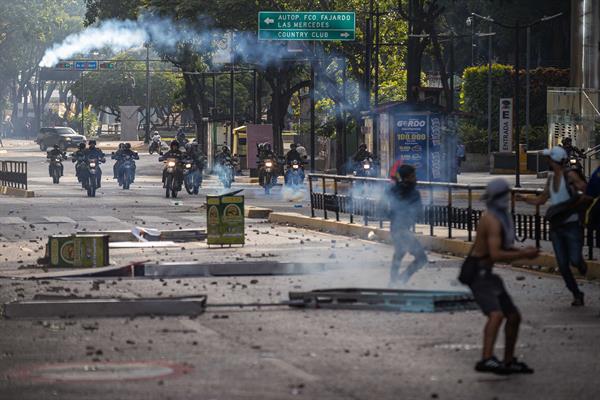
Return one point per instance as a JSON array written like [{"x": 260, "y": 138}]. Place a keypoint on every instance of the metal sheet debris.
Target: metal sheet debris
[
  {"x": 385, "y": 299},
  {"x": 252, "y": 268},
  {"x": 142, "y": 245},
  {"x": 67, "y": 308}
]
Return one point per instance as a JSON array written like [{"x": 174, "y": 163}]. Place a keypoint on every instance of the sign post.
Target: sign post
[
  {"x": 506, "y": 125},
  {"x": 321, "y": 26}
]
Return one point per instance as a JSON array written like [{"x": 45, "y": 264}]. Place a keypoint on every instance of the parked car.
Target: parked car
[{"x": 65, "y": 137}]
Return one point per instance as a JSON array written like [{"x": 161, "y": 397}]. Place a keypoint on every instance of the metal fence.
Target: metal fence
[
  {"x": 449, "y": 205},
  {"x": 13, "y": 174}
]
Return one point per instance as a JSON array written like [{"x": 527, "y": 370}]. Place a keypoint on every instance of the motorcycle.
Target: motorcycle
[
  {"x": 268, "y": 168},
  {"x": 56, "y": 167},
  {"x": 172, "y": 184},
  {"x": 365, "y": 168},
  {"x": 126, "y": 172},
  {"x": 294, "y": 174},
  {"x": 155, "y": 146},
  {"x": 192, "y": 177},
  {"x": 576, "y": 164},
  {"x": 92, "y": 177},
  {"x": 227, "y": 169}
]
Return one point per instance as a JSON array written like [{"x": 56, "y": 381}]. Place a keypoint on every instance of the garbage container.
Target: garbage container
[{"x": 225, "y": 219}]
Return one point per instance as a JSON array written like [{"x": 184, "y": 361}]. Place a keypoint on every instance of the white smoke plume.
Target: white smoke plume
[{"x": 163, "y": 34}]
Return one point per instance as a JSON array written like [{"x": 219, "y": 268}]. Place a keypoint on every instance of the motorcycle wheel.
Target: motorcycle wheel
[
  {"x": 55, "y": 176},
  {"x": 168, "y": 184},
  {"x": 91, "y": 187},
  {"x": 189, "y": 186},
  {"x": 126, "y": 181}
]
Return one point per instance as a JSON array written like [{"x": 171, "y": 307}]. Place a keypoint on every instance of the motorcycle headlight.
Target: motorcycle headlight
[
  {"x": 268, "y": 164},
  {"x": 57, "y": 160},
  {"x": 92, "y": 165},
  {"x": 171, "y": 164},
  {"x": 573, "y": 161},
  {"x": 188, "y": 165},
  {"x": 295, "y": 166},
  {"x": 68, "y": 139},
  {"x": 367, "y": 166}
]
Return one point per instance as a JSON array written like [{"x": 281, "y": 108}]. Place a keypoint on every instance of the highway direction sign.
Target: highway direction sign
[{"x": 315, "y": 26}]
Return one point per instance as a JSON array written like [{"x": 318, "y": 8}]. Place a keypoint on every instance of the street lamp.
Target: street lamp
[
  {"x": 147, "y": 124},
  {"x": 517, "y": 28}
]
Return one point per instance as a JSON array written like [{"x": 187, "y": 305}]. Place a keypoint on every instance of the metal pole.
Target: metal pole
[
  {"x": 489, "y": 97},
  {"x": 473, "y": 42},
  {"x": 451, "y": 105},
  {"x": 368, "y": 40},
  {"x": 517, "y": 106},
  {"x": 147, "y": 125},
  {"x": 344, "y": 137},
  {"x": 232, "y": 104},
  {"x": 312, "y": 114},
  {"x": 527, "y": 87},
  {"x": 255, "y": 97},
  {"x": 375, "y": 121},
  {"x": 82, "y": 104}
]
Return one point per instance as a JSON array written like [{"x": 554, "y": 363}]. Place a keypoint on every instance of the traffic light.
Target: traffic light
[
  {"x": 64, "y": 65},
  {"x": 107, "y": 65}
]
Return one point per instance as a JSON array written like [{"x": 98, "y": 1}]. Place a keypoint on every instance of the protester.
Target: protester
[
  {"x": 405, "y": 208},
  {"x": 460, "y": 156},
  {"x": 495, "y": 242},
  {"x": 564, "y": 188}
]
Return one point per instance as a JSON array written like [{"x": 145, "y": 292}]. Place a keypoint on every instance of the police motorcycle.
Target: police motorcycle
[
  {"x": 93, "y": 175},
  {"x": 268, "y": 173},
  {"x": 55, "y": 168},
  {"x": 294, "y": 174},
  {"x": 192, "y": 176},
  {"x": 155, "y": 144},
  {"x": 366, "y": 168}
]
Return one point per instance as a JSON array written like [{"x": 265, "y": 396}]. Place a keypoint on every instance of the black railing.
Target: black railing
[
  {"x": 13, "y": 174},
  {"x": 361, "y": 197}
]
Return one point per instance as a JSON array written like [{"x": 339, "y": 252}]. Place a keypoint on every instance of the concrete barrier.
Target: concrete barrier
[
  {"x": 545, "y": 262},
  {"x": 257, "y": 212},
  {"x": 10, "y": 191}
]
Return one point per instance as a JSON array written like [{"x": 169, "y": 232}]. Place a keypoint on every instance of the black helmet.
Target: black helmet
[
  {"x": 567, "y": 140},
  {"x": 92, "y": 143},
  {"x": 81, "y": 146},
  {"x": 362, "y": 146},
  {"x": 293, "y": 146},
  {"x": 121, "y": 146},
  {"x": 174, "y": 143},
  {"x": 56, "y": 147},
  {"x": 128, "y": 146},
  {"x": 225, "y": 149},
  {"x": 267, "y": 146}
]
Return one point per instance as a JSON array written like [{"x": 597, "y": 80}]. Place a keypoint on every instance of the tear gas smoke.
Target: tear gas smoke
[{"x": 164, "y": 35}]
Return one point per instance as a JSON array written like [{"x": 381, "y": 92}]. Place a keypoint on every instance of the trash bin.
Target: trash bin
[{"x": 225, "y": 219}]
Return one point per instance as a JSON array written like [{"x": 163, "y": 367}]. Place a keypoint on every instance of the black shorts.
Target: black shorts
[{"x": 491, "y": 295}]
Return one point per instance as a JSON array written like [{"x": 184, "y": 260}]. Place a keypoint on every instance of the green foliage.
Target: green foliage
[
  {"x": 473, "y": 96},
  {"x": 90, "y": 122},
  {"x": 474, "y": 101}
]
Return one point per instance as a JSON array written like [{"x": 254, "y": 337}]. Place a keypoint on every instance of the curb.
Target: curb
[
  {"x": 167, "y": 235},
  {"x": 545, "y": 262},
  {"x": 253, "y": 212},
  {"x": 10, "y": 191}
]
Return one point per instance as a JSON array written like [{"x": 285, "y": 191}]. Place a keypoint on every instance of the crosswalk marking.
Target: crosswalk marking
[
  {"x": 105, "y": 218},
  {"x": 151, "y": 218},
  {"x": 59, "y": 220},
  {"x": 11, "y": 220},
  {"x": 194, "y": 218}
]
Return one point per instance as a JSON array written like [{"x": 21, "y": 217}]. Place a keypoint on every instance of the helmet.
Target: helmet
[
  {"x": 128, "y": 146},
  {"x": 121, "y": 146},
  {"x": 362, "y": 146},
  {"x": 56, "y": 147},
  {"x": 293, "y": 146},
  {"x": 81, "y": 146},
  {"x": 188, "y": 146},
  {"x": 174, "y": 143},
  {"x": 267, "y": 146},
  {"x": 567, "y": 141},
  {"x": 225, "y": 149},
  {"x": 155, "y": 133},
  {"x": 92, "y": 143}
]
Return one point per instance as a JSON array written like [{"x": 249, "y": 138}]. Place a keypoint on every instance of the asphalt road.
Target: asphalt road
[{"x": 263, "y": 352}]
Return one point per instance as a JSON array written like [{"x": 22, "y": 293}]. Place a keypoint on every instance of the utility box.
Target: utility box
[{"x": 225, "y": 219}]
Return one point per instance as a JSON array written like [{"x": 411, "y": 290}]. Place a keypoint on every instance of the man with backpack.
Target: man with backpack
[{"x": 565, "y": 189}]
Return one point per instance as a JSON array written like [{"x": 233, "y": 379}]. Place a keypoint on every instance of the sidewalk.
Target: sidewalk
[
  {"x": 458, "y": 245},
  {"x": 482, "y": 178}
]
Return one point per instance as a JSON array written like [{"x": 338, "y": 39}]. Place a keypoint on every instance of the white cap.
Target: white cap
[{"x": 557, "y": 154}]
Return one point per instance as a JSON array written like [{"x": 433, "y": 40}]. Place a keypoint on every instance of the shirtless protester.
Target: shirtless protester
[{"x": 495, "y": 243}]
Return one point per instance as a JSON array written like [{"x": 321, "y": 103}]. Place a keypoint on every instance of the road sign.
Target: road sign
[
  {"x": 64, "y": 65},
  {"x": 315, "y": 26},
  {"x": 106, "y": 65},
  {"x": 506, "y": 125},
  {"x": 86, "y": 65}
]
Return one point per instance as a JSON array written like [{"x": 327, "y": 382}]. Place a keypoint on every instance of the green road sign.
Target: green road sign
[
  {"x": 64, "y": 65},
  {"x": 106, "y": 65},
  {"x": 273, "y": 25}
]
